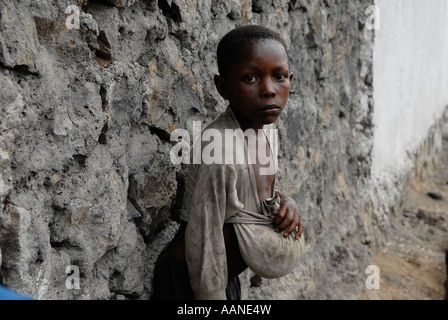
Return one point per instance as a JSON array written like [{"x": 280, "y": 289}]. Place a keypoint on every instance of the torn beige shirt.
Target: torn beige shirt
[{"x": 227, "y": 193}]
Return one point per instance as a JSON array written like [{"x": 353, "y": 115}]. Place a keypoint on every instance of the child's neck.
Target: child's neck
[{"x": 245, "y": 125}]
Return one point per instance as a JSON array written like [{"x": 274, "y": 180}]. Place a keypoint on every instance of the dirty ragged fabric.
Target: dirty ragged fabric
[
  {"x": 213, "y": 200},
  {"x": 266, "y": 252},
  {"x": 227, "y": 193}
]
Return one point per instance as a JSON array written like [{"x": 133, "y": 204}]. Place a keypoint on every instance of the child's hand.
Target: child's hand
[{"x": 288, "y": 218}]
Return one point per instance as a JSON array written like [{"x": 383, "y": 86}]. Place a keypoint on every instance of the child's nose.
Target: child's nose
[{"x": 267, "y": 89}]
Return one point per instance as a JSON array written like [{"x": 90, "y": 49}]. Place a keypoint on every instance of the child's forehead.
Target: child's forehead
[
  {"x": 253, "y": 44},
  {"x": 258, "y": 49}
]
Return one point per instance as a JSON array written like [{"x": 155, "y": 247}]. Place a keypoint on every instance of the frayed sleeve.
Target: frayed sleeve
[{"x": 210, "y": 198}]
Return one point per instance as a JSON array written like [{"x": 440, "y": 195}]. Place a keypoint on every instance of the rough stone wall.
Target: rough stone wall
[{"x": 86, "y": 115}]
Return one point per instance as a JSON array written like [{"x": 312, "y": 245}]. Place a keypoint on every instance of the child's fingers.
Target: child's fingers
[
  {"x": 282, "y": 212},
  {"x": 279, "y": 217},
  {"x": 300, "y": 227},
  {"x": 287, "y": 219},
  {"x": 299, "y": 232},
  {"x": 291, "y": 227}
]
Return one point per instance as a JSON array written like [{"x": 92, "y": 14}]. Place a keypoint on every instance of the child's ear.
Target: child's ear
[{"x": 221, "y": 86}]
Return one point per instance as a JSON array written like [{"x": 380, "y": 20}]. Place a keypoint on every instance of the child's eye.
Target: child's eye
[
  {"x": 250, "y": 79},
  {"x": 280, "y": 76}
]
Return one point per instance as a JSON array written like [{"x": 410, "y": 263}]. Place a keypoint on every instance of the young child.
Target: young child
[{"x": 233, "y": 217}]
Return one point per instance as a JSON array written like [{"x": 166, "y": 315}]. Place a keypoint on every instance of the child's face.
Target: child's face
[{"x": 257, "y": 84}]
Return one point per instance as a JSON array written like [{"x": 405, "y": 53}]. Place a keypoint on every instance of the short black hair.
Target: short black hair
[{"x": 231, "y": 42}]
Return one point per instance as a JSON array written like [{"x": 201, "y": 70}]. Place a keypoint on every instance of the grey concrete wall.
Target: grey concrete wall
[{"x": 410, "y": 57}]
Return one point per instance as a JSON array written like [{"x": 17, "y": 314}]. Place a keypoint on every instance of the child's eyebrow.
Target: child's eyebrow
[{"x": 254, "y": 66}]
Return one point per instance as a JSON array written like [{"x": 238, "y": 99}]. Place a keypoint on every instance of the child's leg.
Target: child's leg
[
  {"x": 233, "y": 290},
  {"x": 172, "y": 282},
  {"x": 171, "y": 279}
]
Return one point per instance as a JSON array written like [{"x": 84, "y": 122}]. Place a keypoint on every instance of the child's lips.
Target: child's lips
[{"x": 273, "y": 108}]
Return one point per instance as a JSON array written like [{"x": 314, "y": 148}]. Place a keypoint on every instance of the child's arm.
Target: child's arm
[
  {"x": 288, "y": 218},
  {"x": 212, "y": 200}
]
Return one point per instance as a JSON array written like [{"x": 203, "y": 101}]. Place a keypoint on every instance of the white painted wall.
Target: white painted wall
[{"x": 410, "y": 69}]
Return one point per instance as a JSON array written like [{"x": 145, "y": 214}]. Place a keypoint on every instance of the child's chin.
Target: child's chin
[{"x": 270, "y": 119}]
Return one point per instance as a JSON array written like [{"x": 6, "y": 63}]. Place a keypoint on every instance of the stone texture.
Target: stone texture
[
  {"x": 85, "y": 175},
  {"x": 18, "y": 39}
]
